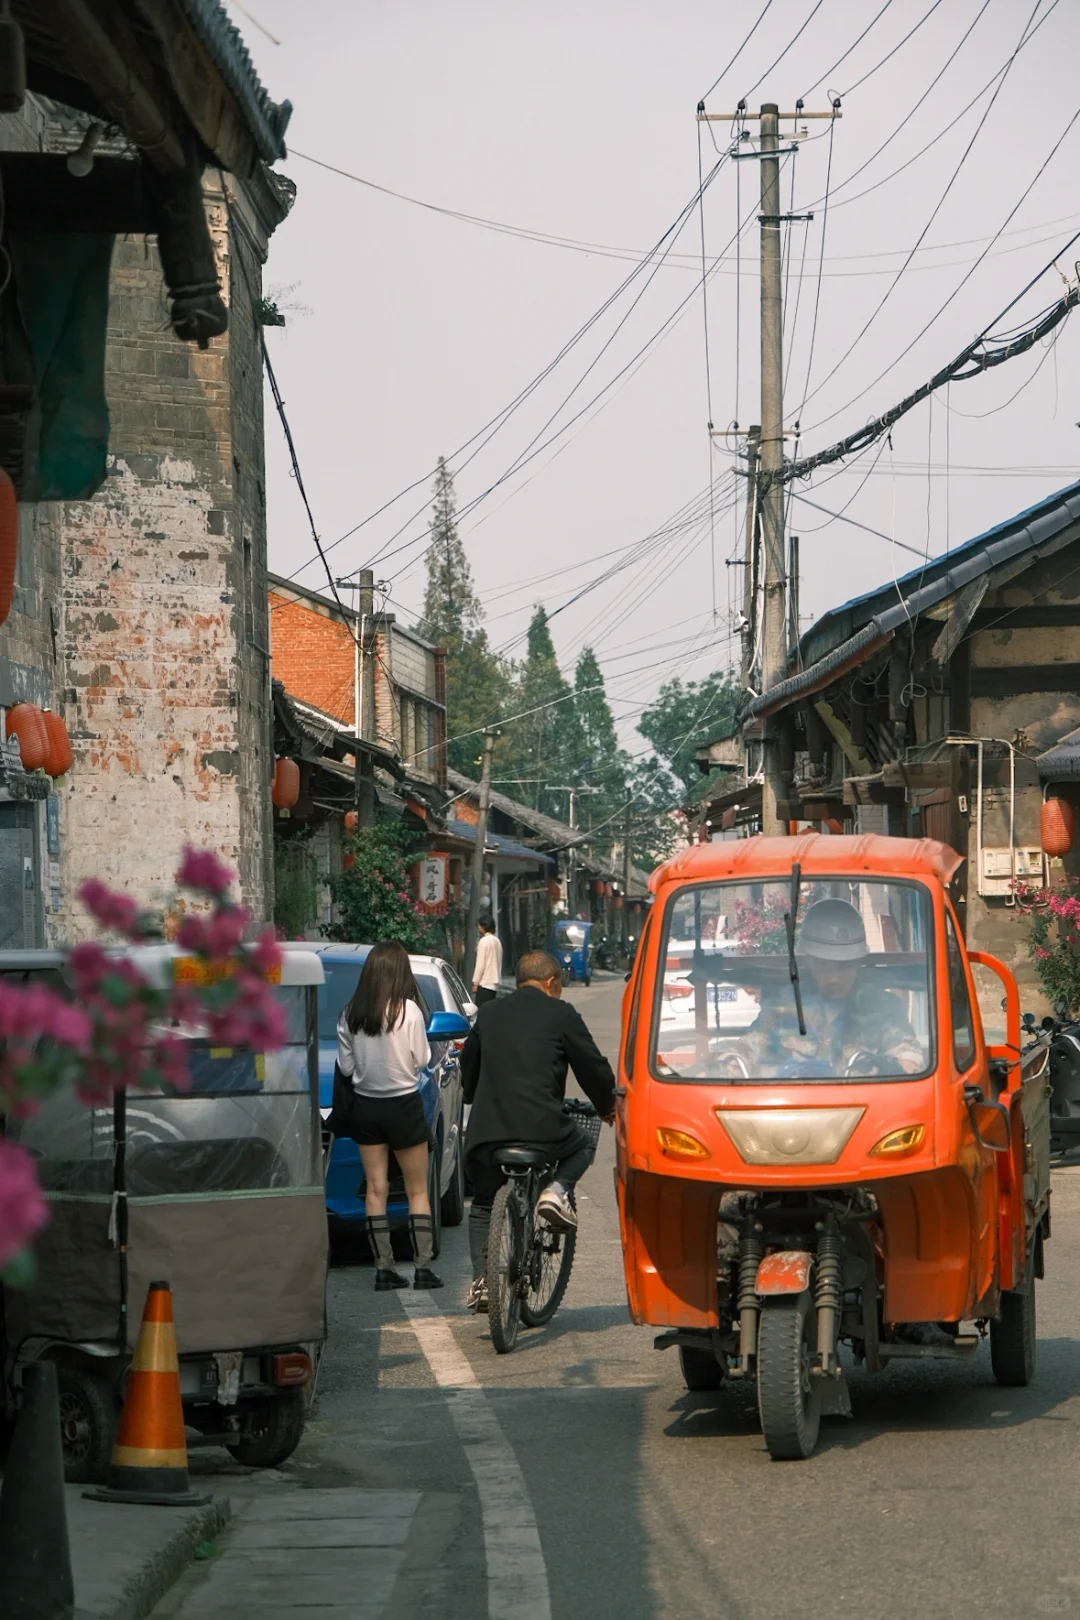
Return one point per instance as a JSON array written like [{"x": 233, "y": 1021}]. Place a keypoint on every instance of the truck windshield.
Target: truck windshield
[{"x": 725, "y": 1007}]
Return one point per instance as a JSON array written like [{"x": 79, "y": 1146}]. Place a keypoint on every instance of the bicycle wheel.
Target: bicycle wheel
[
  {"x": 548, "y": 1272},
  {"x": 505, "y": 1244}
]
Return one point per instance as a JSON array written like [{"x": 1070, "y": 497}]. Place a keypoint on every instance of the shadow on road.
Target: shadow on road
[{"x": 930, "y": 1397}]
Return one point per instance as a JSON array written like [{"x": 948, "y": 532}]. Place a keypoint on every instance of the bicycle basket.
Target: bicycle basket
[{"x": 584, "y": 1115}]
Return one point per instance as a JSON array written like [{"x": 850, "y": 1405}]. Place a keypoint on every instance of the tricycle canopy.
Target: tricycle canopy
[{"x": 217, "y": 1190}]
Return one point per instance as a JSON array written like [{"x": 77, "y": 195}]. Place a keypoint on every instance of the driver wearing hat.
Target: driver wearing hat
[{"x": 847, "y": 1018}]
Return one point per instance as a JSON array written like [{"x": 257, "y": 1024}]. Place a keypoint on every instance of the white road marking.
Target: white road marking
[{"x": 517, "y": 1582}]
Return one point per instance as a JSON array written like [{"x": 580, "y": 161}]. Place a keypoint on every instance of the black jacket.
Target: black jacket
[{"x": 513, "y": 1067}]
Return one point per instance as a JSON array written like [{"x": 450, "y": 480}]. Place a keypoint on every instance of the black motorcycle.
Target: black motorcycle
[{"x": 1063, "y": 1037}]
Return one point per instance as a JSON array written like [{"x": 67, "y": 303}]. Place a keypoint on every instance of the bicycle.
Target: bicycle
[{"x": 529, "y": 1262}]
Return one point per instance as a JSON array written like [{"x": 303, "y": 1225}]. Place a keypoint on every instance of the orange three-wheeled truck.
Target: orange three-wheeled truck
[{"x": 814, "y": 1141}]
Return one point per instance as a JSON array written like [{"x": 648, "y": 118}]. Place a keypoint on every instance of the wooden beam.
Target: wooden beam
[
  {"x": 200, "y": 89},
  {"x": 964, "y": 607},
  {"x": 858, "y": 761},
  {"x": 102, "y": 48}
]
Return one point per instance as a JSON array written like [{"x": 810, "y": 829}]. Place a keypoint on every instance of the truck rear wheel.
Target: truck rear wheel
[
  {"x": 274, "y": 1432},
  {"x": 1012, "y": 1336}
]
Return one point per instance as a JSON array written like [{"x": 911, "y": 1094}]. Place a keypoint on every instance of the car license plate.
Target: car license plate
[{"x": 728, "y": 994}]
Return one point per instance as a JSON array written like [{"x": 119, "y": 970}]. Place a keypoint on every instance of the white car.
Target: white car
[{"x": 731, "y": 1009}]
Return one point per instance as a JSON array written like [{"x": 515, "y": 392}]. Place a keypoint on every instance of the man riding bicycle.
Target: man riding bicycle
[{"x": 513, "y": 1067}]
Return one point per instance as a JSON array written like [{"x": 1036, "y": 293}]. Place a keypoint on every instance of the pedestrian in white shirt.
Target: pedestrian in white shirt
[
  {"x": 382, "y": 1046},
  {"x": 487, "y": 974}
]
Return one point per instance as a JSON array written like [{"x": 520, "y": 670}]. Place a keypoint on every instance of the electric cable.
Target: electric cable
[
  {"x": 830, "y": 71},
  {"x": 725, "y": 71},
  {"x": 936, "y": 210},
  {"x": 792, "y": 41},
  {"x": 879, "y": 65}
]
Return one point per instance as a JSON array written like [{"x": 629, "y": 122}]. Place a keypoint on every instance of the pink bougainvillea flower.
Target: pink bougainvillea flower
[
  {"x": 111, "y": 910},
  {"x": 23, "y": 1210},
  {"x": 225, "y": 931},
  {"x": 201, "y": 869},
  {"x": 265, "y": 954},
  {"x": 89, "y": 965},
  {"x": 191, "y": 935}
]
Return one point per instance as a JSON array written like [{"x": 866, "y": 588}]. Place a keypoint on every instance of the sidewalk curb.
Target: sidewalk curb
[{"x": 146, "y": 1589}]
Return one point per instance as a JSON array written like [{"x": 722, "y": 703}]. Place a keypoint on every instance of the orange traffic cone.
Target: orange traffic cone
[{"x": 149, "y": 1461}]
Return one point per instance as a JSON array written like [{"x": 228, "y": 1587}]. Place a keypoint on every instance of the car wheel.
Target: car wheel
[{"x": 453, "y": 1199}]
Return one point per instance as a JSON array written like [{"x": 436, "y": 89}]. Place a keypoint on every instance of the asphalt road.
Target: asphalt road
[{"x": 577, "y": 1477}]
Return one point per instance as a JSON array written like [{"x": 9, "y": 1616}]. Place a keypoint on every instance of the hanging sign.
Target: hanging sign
[{"x": 432, "y": 874}]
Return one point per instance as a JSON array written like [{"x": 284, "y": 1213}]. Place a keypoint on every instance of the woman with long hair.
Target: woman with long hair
[{"x": 382, "y": 1046}]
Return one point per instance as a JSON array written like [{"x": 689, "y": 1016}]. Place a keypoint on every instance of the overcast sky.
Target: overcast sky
[{"x": 577, "y": 121}]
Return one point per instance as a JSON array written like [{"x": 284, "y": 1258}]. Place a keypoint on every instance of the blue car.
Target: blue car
[{"x": 448, "y": 1003}]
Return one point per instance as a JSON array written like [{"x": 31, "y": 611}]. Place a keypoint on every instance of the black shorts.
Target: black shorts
[{"x": 397, "y": 1122}]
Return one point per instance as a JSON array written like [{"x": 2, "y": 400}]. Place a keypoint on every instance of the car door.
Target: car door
[
  {"x": 443, "y": 1069},
  {"x": 456, "y": 1001}
]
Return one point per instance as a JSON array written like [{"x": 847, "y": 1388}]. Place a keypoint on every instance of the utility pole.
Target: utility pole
[
  {"x": 477, "y": 877},
  {"x": 574, "y": 793},
  {"x": 627, "y": 832},
  {"x": 753, "y": 437},
  {"x": 774, "y": 604},
  {"x": 364, "y": 771},
  {"x": 770, "y": 499}
]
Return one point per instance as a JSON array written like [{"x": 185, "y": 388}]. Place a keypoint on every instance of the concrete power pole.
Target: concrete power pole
[
  {"x": 364, "y": 774},
  {"x": 627, "y": 835},
  {"x": 770, "y": 448},
  {"x": 774, "y": 604},
  {"x": 753, "y": 436},
  {"x": 477, "y": 876}
]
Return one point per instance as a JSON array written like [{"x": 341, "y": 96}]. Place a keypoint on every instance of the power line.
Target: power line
[
  {"x": 936, "y": 210},
  {"x": 792, "y": 41},
  {"x": 939, "y": 311},
  {"x": 972, "y": 358},
  {"x": 725, "y": 71},
  {"x": 879, "y": 65},
  {"x": 830, "y": 71}
]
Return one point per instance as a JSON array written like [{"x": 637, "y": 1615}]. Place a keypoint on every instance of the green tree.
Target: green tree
[
  {"x": 683, "y": 717},
  {"x": 601, "y": 764},
  {"x": 374, "y": 895},
  {"x": 477, "y": 681},
  {"x": 545, "y": 743}
]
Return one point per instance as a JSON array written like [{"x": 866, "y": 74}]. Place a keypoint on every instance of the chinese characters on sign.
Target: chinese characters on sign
[{"x": 432, "y": 883}]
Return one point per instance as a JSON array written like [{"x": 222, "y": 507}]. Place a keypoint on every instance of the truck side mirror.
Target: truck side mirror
[{"x": 990, "y": 1122}]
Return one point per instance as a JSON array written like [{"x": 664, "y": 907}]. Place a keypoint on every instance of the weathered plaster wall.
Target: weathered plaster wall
[{"x": 164, "y": 637}]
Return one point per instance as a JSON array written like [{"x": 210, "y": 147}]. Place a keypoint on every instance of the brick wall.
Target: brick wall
[
  {"x": 314, "y": 656},
  {"x": 164, "y": 640}
]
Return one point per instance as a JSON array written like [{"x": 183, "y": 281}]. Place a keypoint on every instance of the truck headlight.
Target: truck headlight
[{"x": 789, "y": 1135}]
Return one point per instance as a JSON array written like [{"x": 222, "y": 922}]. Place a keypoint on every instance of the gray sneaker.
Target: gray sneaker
[
  {"x": 555, "y": 1208},
  {"x": 478, "y": 1296}
]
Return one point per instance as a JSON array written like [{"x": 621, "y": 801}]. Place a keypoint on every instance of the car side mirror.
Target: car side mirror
[
  {"x": 990, "y": 1122},
  {"x": 447, "y": 1026}
]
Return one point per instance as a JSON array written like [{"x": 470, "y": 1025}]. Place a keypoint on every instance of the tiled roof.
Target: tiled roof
[{"x": 223, "y": 41}]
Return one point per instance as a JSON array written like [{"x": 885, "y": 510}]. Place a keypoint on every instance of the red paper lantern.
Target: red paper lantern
[
  {"x": 26, "y": 721},
  {"x": 58, "y": 760},
  {"x": 554, "y": 891},
  {"x": 1056, "y": 827},
  {"x": 9, "y": 543},
  {"x": 286, "y": 789},
  {"x": 348, "y": 860},
  {"x": 352, "y": 821}
]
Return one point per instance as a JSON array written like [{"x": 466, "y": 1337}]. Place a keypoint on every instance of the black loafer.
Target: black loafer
[
  {"x": 424, "y": 1277},
  {"x": 385, "y": 1280}
]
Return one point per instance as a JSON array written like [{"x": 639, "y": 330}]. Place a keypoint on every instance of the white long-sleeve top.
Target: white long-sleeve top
[
  {"x": 487, "y": 974},
  {"x": 385, "y": 1065}
]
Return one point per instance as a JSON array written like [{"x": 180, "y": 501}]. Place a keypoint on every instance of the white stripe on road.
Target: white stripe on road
[{"x": 516, "y": 1573}]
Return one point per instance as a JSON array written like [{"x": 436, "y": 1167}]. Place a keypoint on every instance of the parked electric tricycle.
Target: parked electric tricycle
[
  {"x": 855, "y": 1164},
  {"x": 219, "y": 1192},
  {"x": 571, "y": 946}
]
